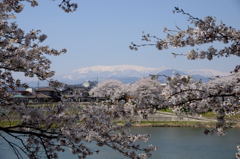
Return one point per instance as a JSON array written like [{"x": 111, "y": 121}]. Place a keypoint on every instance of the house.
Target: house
[
  {"x": 40, "y": 98},
  {"x": 39, "y": 95},
  {"x": 46, "y": 91},
  {"x": 79, "y": 93},
  {"x": 75, "y": 93}
]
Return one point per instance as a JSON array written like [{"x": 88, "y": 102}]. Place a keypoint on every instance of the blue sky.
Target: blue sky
[{"x": 100, "y": 31}]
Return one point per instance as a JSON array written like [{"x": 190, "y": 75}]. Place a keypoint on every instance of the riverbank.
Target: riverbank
[
  {"x": 192, "y": 124},
  {"x": 165, "y": 119},
  {"x": 170, "y": 119}
]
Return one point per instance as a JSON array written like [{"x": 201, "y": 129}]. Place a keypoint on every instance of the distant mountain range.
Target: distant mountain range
[
  {"x": 124, "y": 73},
  {"x": 131, "y": 73}
]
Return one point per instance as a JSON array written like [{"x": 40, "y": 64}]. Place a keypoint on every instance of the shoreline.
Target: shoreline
[
  {"x": 192, "y": 124},
  {"x": 148, "y": 123}
]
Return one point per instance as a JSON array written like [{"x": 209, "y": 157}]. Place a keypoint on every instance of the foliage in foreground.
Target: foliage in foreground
[
  {"x": 49, "y": 130},
  {"x": 222, "y": 94},
  {"x": 45, "y": 131}
]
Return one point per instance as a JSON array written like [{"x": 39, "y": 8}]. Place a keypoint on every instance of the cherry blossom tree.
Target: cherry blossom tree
[
  {"x": 221, "y": 94},
  {"x": 34, "y": 132},
  {"x": 146, "y": 96},
  {"x": 139, "y": 98},
  {"x": 202, "y": 31},
  {"x": 110, "y": 89}
]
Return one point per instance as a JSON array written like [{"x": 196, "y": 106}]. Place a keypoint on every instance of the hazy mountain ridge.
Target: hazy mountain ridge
[
  {"x": 124, "y": 73},
  {"x": 131, "y": 73}
]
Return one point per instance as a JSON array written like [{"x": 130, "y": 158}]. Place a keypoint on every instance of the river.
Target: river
[{"x": 172, "y": 143}]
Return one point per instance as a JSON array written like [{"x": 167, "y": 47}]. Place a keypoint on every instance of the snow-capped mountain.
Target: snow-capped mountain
[
  {"x": 117, "y": 68},
  {"x": 124, "y": 73},
  {"x": 131, "y": 73}
]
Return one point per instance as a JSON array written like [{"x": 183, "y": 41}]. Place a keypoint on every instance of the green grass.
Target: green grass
[
  {"x": 43, "y": 104},
  {"x": 213, "y": 115},
  {"x": 166, "y": 110},
  {"x": 6, "y": 123},
  {"x": 210, "y": 115},
  {"x": 196, "y": 124},
  {"x": 233, "y": 117}
]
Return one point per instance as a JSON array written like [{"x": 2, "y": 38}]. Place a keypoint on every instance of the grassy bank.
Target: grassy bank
[
  {"x": 6, "y": 123},
  {"x": 176, "y": 124},
  {"x": 194, "y": 124}
]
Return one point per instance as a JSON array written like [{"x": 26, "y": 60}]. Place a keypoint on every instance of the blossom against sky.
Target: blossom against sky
[{"x": 100, "y": 31}]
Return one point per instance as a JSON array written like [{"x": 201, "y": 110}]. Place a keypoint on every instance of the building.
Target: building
[
  {"x": 39, "y": 95},
  {"x": 70, "y": 93}
]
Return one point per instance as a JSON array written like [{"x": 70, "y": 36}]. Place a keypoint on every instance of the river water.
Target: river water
[{"x": 172, "y": 143}]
